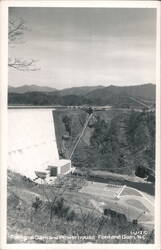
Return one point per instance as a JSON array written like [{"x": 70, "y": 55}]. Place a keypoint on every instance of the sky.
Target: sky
[{"x": 85, "y": 46}]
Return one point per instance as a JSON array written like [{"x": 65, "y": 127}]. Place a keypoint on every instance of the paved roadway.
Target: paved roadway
[{"x": 130, "y": 201}]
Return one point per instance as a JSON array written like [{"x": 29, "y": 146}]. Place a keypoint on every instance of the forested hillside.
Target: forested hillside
[{"x": 117, "y": 141}]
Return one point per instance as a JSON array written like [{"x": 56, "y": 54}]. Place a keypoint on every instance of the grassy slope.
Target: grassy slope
[{"x": 24, "y": 222}]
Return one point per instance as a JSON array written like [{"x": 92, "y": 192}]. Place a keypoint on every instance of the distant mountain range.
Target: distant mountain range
[
  {"x": 30, "y": 88},
  {"x": 145, "y": 91},
  {"x": 91, "y": 95},
  {"x": 67, "y": 91},
  {"x": 79, "y": 91}
]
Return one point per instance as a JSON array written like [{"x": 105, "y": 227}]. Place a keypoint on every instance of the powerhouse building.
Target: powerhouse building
[{"x": 59, "y": 167}]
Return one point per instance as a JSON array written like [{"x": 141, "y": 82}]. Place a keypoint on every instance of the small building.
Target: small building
[
  {"x": 53, "y": 170},
  {"x": 59, "y": 167}
]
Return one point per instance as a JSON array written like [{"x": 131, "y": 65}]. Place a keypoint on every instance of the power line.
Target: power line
[
  {"x": 138, "y": 101},
  {"x": 77, "y": 142}
]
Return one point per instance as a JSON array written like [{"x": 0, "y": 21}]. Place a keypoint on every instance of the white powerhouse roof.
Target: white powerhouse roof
[{"x": 60, "y": 163}]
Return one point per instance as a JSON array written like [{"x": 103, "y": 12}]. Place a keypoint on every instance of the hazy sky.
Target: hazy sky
[{"x": 86, "y": 46}]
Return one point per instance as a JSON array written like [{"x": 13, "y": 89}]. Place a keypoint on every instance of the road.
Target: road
[{"x": 133, "y": 203}]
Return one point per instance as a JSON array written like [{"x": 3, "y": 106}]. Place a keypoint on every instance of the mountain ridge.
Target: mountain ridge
[
  {"x": 120, "y": 96},
  {"x": 30, "y": 88},
  {"x": 143, "y": 90}
]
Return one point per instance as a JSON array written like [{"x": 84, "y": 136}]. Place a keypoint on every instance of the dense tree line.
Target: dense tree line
[
  {"x": 54, "y": 98},
  {"x": 38, "y": 98}
]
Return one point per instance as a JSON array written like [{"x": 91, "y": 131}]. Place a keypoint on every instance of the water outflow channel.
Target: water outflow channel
[{"x": 31, "y": 140}]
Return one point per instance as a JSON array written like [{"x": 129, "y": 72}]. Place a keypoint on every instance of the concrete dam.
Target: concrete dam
[{"x": 31, "y": 140}]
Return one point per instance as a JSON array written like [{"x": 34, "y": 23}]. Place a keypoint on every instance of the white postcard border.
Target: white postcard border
[{"x": 3, "y": 118}]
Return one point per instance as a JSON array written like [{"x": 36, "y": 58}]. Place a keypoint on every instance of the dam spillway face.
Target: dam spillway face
[{"x": 31, "y": 140}]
